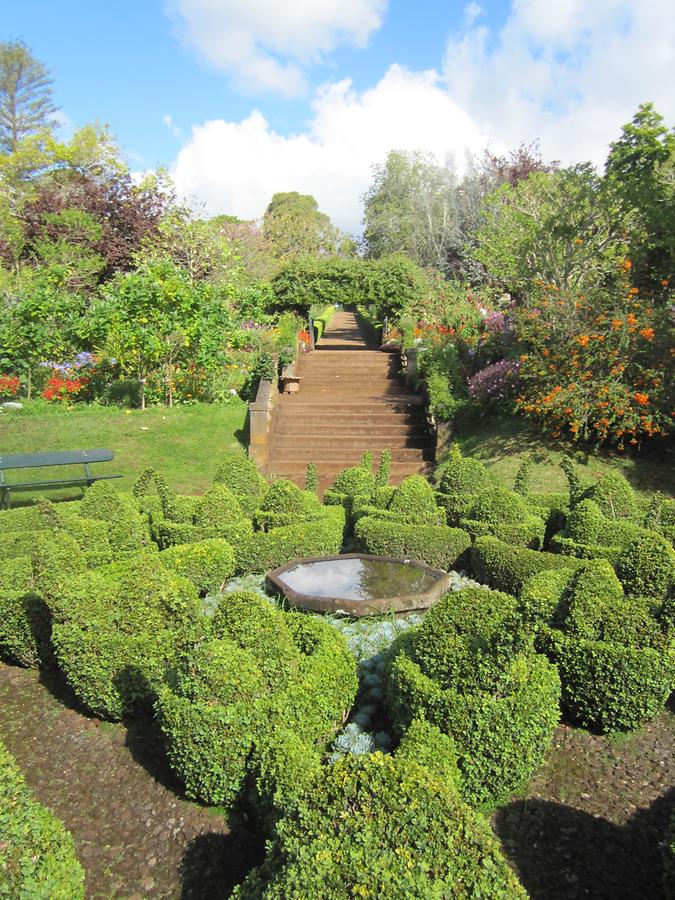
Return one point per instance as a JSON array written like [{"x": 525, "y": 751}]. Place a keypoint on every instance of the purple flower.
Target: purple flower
[{"x": 494, "y": 383}]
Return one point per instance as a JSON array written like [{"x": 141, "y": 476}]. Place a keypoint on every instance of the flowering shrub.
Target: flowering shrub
[
  {"x": 71, "y": 378},
  {"x": 9, "y": 385},
  {"x": 597, "y": 366},
  {"x": 495, "y": 383}
]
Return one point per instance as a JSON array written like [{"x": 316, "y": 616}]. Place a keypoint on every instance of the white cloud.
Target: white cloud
[
  {"x": 568, "y": 72},
  {"x": 235, "y": 167},
  {"x": 265, "y": 45},
  {"x": 176, "y": 131}
]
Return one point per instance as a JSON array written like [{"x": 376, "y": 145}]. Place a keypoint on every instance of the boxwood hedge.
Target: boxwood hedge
[
  {"x": 436, "y": 545},
  {"x": 260, "y": 673},
  {"x": 381, "y": 826},
  {"x": 37, "y": 856},
  {"x": 470, "y": 670},
  {"x": 506, "y": 567}
]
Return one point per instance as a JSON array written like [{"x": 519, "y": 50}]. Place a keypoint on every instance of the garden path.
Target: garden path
[
  {"x": 352, "y": 399},
  {"x": 134, "y": 834}
]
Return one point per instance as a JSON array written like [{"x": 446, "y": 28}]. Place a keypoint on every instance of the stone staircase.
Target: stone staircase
[{"x": 351, "y": 400}]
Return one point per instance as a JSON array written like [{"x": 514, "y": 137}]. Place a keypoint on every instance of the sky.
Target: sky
[{"x": 243, "y": 98}]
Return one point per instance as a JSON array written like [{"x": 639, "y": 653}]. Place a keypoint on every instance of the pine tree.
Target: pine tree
[{"x": 26, "y": 105}]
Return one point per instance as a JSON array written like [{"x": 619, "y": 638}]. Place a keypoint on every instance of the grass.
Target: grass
[
  {"x": 500, "y": 442},
  {"x": 185, "y": 443}
]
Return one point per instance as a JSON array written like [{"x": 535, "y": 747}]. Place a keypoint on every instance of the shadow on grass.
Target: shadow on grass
[
  {"x": 562, "y": 853},
  {"x": 503, "y": 436},
  {"x": 215, "y": 862}
]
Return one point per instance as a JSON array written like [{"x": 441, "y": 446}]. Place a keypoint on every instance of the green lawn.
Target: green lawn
[
  {"x": 502, "y": 441},
  {"x": 185, "y": 443}
]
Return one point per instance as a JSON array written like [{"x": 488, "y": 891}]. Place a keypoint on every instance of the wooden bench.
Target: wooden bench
[{"x": 57, "y": 458}]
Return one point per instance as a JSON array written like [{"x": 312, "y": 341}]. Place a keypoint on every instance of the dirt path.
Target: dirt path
[
  {"x": 133, "y": 833},
  {"x": 593, "y": 817}
]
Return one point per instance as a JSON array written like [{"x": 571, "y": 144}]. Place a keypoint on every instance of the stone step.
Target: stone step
[
  {"x": 347, "y": 457},
  {"x": 302, "y": 429},
  {"x": 347, "y": 441}
]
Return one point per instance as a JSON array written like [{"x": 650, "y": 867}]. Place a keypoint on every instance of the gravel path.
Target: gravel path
[
  {"x": 589, "y": 825},
  {"x": 133, "y": 833},
  {"x": 592, "y": 819}
]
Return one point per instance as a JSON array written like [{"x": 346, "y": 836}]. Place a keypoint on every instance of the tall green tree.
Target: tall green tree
[
  {"x": 639, "y": 169},
  {"x": 411, "y": 207},
  {"x": 26, "y": 96},
  {"x": 294, "y": 226}
]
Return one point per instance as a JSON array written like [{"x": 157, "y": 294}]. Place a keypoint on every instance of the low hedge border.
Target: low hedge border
[{"x": 37, "y": 854}]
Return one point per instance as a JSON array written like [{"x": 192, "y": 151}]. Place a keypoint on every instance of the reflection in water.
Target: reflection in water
[{"x": 357, "y": 579}]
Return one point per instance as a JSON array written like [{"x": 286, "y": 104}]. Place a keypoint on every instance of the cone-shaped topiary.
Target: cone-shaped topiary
[{"x": 414, "y": 502}]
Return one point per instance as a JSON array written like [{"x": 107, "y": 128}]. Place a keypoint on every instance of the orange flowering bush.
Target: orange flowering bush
[{"x": 597, "y": 367}]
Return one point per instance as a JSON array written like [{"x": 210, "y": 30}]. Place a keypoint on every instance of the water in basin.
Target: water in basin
[{"x": 357, "y": 579}]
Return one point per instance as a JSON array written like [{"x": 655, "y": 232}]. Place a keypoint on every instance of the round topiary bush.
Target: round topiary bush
[
  {"x": 380, "y": 826},
  {"x": 207, "y": 564},
  {"x": 240, "y": 476},
  {"x": 614, "y": 496},
  {"x": 470, "y": 670},
  {"x": 353, "y": 481},
  {"x": 285, "y": 504},
  {"x": 646, "y": 567},
  {"x": 262, "y": 673},
  {"x": 118, "y": 628},
  {"x": 37, "y": 855},
  {"x": 506, "y": 515},
  {"x": 613, "y": 652},
  {"x": 414, "y": 503}
]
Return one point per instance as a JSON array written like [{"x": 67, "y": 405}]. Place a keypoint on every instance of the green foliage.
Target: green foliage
[
  {"x": 26, "y": 96},
  {"x": 383, "y": 473},
  {"x": 521, "y": 485},
  {"x": 646, "y": 568},
  {"x": 504, "y": 514},
  {"x": 311, "y": 479},
  {"x": 614, "y": 496},
  {"x": 262, "y": 671},
  {"x": 407, "y": 834},
  {"x": 616, "y": 663},
  {"x": 240, "y": 475},
  {"x": 414, "y": 502},
  {"x": 38, "y": 856},
  {"x": 569, "y": 467},
  {"x": 426, "y": 745},
  {"x": 438, "y": 546},
  {"x": 117, "y": 630},
  {"x": 321, "y": 321},
  {"x": 505, "y": 567},
  {"x": 470, "y": 670},
  {"x": 23, "y": 623},
  {"x": 207, "y": 564},
  {"x": 461, "y": 479},
  {"x": 262, "y": 551},
  {"x": 357, "y": 480},
  {"x": 609, "y": 687},
  {"x": 285, "y": 504},
  {"x": 294, "y": 227}
]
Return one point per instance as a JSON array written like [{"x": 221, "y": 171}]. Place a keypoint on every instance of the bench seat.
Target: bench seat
[{"x": 12, "y": 461}]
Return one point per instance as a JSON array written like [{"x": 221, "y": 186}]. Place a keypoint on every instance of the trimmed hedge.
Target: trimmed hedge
[
  {"x": 262, "y": 671},
  {"x": 505, "y": 515},
  {"x": 264, "y": 550},
  {"x": 461, "y": 479},
  {"x": 471, "y": 671},
  {"x": 240, "y": 475},
  {"x": 322, "y": 320},
  {"x": 207, "y": 564},
  {"x": 436, "y": 545},
  {"x": 117, "y": 629},
  {"x": 414, "y": 503},
  {"x": 589, "y": 534},
  {"x": 614, "y": 654},
  {"x": 505, "y": 567},
  {"x": 381, "y": 826},
  {"x": 37, "y": 855},
  {"x": 615, "y": 497},
  {"x": 285, "y": 504},
  {"x": 646, "y": 568},
  {"x": 609, "y": 687}
]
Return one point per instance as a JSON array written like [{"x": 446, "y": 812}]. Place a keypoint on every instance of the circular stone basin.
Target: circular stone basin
[{"x": 359, "y": 585}]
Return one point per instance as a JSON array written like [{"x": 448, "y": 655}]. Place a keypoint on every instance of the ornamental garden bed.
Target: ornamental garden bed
[{"x": 150, "y": 607}]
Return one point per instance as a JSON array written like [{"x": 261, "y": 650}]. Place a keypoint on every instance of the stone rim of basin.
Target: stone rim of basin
[{"x": 400, "y": 603}]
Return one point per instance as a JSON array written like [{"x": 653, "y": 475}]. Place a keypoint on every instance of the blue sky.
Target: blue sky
[{"x": 308, "y": 95}]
